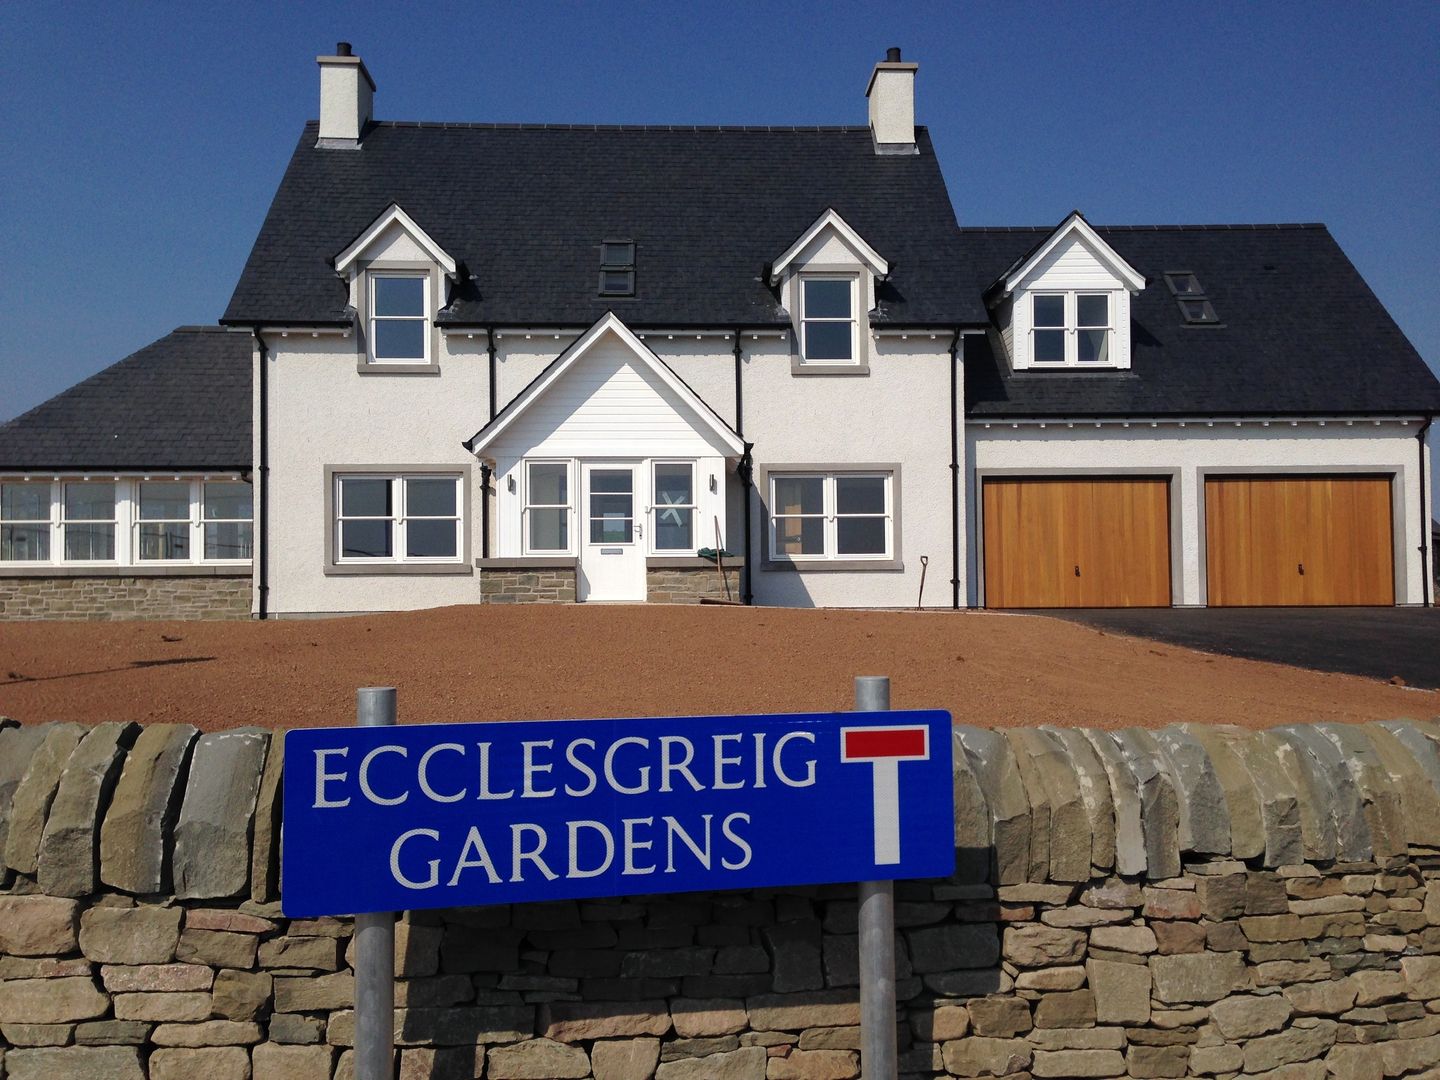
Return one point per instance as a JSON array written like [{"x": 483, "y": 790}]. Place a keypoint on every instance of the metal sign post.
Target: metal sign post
[
  {"x": 375, "y": 940},
  {"x": 878, "y": 1059}
]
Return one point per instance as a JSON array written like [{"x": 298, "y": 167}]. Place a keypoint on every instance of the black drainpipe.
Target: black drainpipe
[
  {"x": 955, "y": 470},
  {"x": 484, "y": 510},
  {"x": 745, "y": 470},
  {"x": 490, "y": 348},
  {"x": 262, "y": 476},
  {"x": 1425, "y": 572}
]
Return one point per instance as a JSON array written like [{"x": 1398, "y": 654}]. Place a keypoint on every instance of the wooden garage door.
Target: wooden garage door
[
  {"x": 1288, "y": 541},
  {"x": 1091, "y": 542}
]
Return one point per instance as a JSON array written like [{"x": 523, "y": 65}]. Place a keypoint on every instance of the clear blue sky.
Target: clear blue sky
[{"x": 143, "y": 141}]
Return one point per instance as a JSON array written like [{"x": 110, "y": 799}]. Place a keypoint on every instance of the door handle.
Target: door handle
[
  {"x": 1300, "y": 568},
  {"x": 1077, "y": 571}
]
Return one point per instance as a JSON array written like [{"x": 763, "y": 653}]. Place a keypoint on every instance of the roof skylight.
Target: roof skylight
[
  {"x": 1195, "y": 306},
  {"x": 617, "y": 268}
]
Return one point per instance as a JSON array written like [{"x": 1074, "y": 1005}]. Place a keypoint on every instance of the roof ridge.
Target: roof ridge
[
  {"x": 1220, "y": 227},
  {"x": 464, "y": 125}
]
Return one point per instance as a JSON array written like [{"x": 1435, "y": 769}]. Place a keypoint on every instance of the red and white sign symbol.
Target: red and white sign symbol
[{"x": 884, "y": 748}]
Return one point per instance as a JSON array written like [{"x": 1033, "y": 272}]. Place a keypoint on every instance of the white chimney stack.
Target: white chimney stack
[
  {"x": 346, "y": 94},
  {"x": 892, "y": 105}
]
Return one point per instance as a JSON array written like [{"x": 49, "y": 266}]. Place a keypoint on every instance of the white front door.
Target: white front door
[{"x": 612, "y": 544}]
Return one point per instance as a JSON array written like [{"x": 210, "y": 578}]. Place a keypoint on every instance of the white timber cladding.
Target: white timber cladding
[
  {"x": 1187, "y": 455},
  {"x": 1071, "y": 268}
]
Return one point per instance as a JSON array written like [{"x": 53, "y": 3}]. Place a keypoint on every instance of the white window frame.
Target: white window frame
[
  {"x": 653, "y": 512},
  {"x": 398, "y": 520},
  {"x": 139, "y": 522},
  {"x": 1071, "y": 329},
  {"x": 204, "y": 521},
  {"x": 424, "y": 318},
  {"x": 49, "y": 522},
  {"x": 526, "y": 506},
  {"x": 804, "y": 320},
  {"x": 830, "y": 515},
  {"x": 126, "y": 522}
]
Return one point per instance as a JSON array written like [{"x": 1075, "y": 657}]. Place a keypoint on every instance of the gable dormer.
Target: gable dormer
[
  {"x": 398, "y": 276},
  {"x": 827, "y": 284},
  {"x": 1066, "y": 305}
]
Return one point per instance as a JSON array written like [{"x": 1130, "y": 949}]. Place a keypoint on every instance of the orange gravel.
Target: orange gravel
[{"x": 540, "y": 662}]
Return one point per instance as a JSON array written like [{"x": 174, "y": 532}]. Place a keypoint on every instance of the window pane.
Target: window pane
[
  {"x": 674, "y": 528},
  {"x": 399, "y": 339},
  {"x": 164, "y": 502},
  {"x": 617, "y": 282},
  {"x": 365, "y": 498},
  {"x": 1184, "y": 284},
  {"x": 228, "y": 540},
  {"x": 430, "y": 539},
  {"x": 25, "y": 502},
  {"x": 799, "y": 536},
  {"x": 90, "y": 542},
  {"x": 400, "y": 296},
  {"x": 828, "y": 341},
  {"x": 431, "y": 498},
  {"x": 611, "y": 480},
  {"x": 1049, "y": 311},
  {"x": 609, "y": 527},
  {"x": 860, "y": 536},
  {"x": 90, "y": 502},
  {"x": 365, "y": 540},
  {"x": 799, "y": 495},
  {"x": 228, "y": 500},
  {"x": 827, "y": 299},
  {"x": 673, "y": 485},
  {"x": 170, "y": 540},
  {"x": 1093, "y": 310},
  {"x": 25, "y": 542},
  {"x": 549, "y": 529},
  {"x": 549, "y": 484},
  {"x": 617, "y": 254},
  {"x": 1094, "y": 346},
  {"x": 859, "y": 494},
  {"x": 1049, "y": 346}
]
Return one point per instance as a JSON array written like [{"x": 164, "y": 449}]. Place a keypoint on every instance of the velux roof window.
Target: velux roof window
[
  {"x": 617, "y": 268},
  {"x": 1195, "y": 306}
]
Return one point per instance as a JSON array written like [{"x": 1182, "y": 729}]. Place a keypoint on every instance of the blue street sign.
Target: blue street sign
[{"x": 449, "y": 815}]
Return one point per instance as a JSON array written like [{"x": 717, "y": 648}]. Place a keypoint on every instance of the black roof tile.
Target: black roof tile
[
  {"x": 1300, "y": 332},
  {"x": 525, "y": 207},
  {"x": 182, "y": 402}
]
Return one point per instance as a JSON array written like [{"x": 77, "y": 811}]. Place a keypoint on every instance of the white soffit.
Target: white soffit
[
  {"x": 393, "y": 216},
  {"x": 1076, "y": 225},
  {"x": 830, "y": 219},
  {"x": 608, "y": 323}
]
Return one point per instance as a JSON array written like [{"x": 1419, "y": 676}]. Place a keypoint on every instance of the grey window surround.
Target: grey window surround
[
  {"x": 461, "y": 566},
  {"x": 861, "y": 364},
  {"x": 769, "y": 563},
  {"x": 363, "y": 364},
  {"x": 235, "y": 570}
]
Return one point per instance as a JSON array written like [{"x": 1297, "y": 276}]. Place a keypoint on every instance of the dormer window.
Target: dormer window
[
  {"x": 617, "y": 268},
  {"x": 827, "y": 318},
  {"x": 1071, "y": 328},
  {"x": 399, "y": 317}
]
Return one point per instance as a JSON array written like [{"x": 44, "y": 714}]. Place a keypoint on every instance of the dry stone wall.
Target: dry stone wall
[{"x": 1187, "y": 902}]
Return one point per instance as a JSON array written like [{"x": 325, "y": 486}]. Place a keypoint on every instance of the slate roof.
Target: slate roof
[
  {"x": 182, "y": 402},
  {"x": 1300, "y": 333},
  {"x": 525, "y": 207}
]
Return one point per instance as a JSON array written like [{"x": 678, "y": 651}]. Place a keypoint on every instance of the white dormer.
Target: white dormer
[
  {"x": 1066, "y": 305},
  {"x": 827, "y": 284},
  {"x": 397, "y": 276}
]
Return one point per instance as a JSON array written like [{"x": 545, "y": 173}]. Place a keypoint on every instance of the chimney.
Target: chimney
[
  {"x": 892, "y": 105},
  {"x": 346, "y": 91}
]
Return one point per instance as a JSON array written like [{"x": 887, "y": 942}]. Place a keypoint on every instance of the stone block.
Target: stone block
[
  {"x": 1070, "y": 838},
  {"x": 1326, "y": 781},
  {"x": 273, "y": 1061},
  {"x": 75, "y": 1063},
  {"x": 1122, "y": 991},
  {"x": 1077, "y": 1063},
  {"x": 1139, "y": 940},
  {"x": 112, "y": 1033},
  {"x": 207, "y": 1033},
  {"x": 746, "y": 1063},
  {"x": 1379, "y": 793},
  {"x": 218, "y": 948},
  {"x": 35, "y": 792},
  {"x": 987, "y": 1057},
  {"x": 1216, "y": 1060},
  {"x": 990, "y": 759},
  {"x": 1000, "y": 1017},
  {"x": 17, "y": 745},
  {"x": 37, "y": 1034},
  {"x": 139, "y": 824},
  {"x": 1179, "y": 937},
  {"x": 1071, "y": 977},
  {"x": 213, "y": 833},
  {"x": 315, "y": 994},
  {"x": 241, "y": 995},
  {"x": 51, "y": 1001},
  {"x": 1197, "y": 978},
  {"x": 1422, "y": 977},
  {"x": 204, "y": 1063},
  {"x": 940, "y": 1024},
  {"x": 695, "y": 1018},
  {"x": 163, "y": 1007},
  {"x": 578, "y": 1021},
  {"x": 795, "y": 951},
  {"x": 38, "y": 925},
  {"x": 537, "y": 1059},
  {"x": 1328, "y": 998},
  {"x": 1157, "y": 1061},
  {"x": 1094, "y": 785},
  {"x": 1222, "y": 896},
  {"x": 265, "y": 839},
  {"x": 292, "y": 1028},
  {"x": 1159, "y": 804},
  {"x": 815, "y": 1065},
  {"x": 1125, "y": 794},
  {"x": 625, "y": 1059},
  {"x": 952, "y": 947},
  {"x": 1247, "y": 836},
  {"x": 1297, "y": 1044},
  {"x": 1244, "y": 1016},
  {"x": 1278, "y": 795},
  {"x": 156, "y": 977},
  {"x": 1204, "y": 817},
  {"x": 138, "y": 935},
  {"x": 1067, "y": 1009},
  {"x": 796, "y": 1012},
  {"x": 69, "y": 859},
  {"x": 316, "y": 953},
  {"x": 1042, "y": 946}
]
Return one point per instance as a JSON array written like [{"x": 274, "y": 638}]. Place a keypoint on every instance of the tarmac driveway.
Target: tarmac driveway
[{"x": 1381, "y": 643}]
